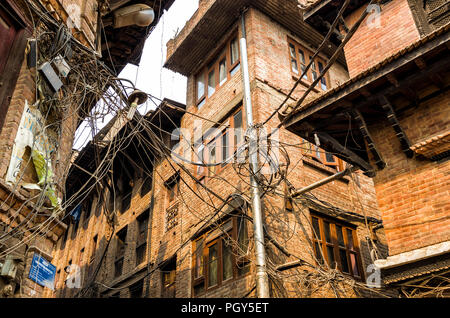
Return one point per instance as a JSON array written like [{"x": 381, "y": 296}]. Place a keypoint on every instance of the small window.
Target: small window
[
  {"x": 300, "y": 58},
  {"x": 214, "y": 152},
  {"x": 234, "y": 52},
  {"x": 222, "y": 72},
  {"x": 322, "y": 156},
  {"x": 218, "y": 72},
  {"x": 335, "y": 244},
  {"x": 211, "y": 83},
  {"x": 137, "y": 289},
  {"x": 220, "y": 255},
  {"x": 168, "y": 278},
  {"x": 120, "y": 251}
]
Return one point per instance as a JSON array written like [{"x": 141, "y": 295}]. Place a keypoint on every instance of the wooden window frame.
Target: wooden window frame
[
  {"x": 237, "y": 263},
  {"x": 320, "y": 155},
  {"x": 229, "y": 129},
  {"x": 225, "y": 53},
  {"x": 320, "y": 239},
  {"x": 314, "y": 67}
]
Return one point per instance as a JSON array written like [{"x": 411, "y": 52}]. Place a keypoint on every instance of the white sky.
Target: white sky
[{"x": 151, "y": 77}]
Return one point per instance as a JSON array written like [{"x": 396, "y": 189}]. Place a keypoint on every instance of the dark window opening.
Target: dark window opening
[
  {"x": 137, "y": 289},
  {"x": 168, "y": 277},
  {"x": 120, "y": 251}
]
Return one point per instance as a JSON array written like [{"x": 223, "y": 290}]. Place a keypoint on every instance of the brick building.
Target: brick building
[
  {"x": 50, "y": 51},
  {"x": 199, "y": 235},
  {"x": 396, "y": 107}
]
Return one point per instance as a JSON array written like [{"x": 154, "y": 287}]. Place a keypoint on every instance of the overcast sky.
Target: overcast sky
[{"x": 150, "y": 76}]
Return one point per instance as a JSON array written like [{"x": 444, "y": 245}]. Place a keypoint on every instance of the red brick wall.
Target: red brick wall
[
  {"x": 414, "y": 195},
  {"x": 372, "y": 43}
]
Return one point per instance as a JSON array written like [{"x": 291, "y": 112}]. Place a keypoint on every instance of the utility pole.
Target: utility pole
[{"x": 262, "y": 279}]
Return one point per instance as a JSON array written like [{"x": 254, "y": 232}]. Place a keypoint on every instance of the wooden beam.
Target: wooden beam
[
  {"x": 444, "y": 39},
  {"x": 336, "y": 147},
  {"x": 370, "y": 142},
  {"x": 392, "y": 118}
]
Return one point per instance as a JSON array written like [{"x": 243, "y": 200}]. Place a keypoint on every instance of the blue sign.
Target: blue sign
[{"x": 42, "y": 272}]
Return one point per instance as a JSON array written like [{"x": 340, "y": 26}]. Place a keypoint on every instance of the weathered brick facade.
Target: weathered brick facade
[
  {"x": 399, "y": 69},
  {"x": 349, "y": 201}
]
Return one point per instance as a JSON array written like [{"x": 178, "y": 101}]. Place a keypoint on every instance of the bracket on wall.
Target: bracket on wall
[
  {"x": 370, "y": 142},
  {"x": 336, "y": 147},
  {"x": 392, "y": 118}
]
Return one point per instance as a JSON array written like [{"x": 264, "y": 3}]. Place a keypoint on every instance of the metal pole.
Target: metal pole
[
  {"x": 262, "y": 280},
  {"x": 324, "y": 181}
]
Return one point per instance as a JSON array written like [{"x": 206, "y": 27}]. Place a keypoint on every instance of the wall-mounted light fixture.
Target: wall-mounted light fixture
[{"x": 137, "y": 14}]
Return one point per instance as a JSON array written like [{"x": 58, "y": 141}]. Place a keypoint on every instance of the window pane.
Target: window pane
[
  {"x": 292, "y": 51},
  {"x": 354, "y": 264},
  {"x": 340, "y": 237},
  {"x": 201, "y": 103},
  {"x": 198, "y": 271},
  {"x": 350, "y": 238},
  {"x": 227, "y": 261},
  {"x": 225, "y": 147},
  {"x": 302, "y": 63},
  {"x": 211, "y": 83},
  {"x": 242, "y": 234},
  {"x": 212, "y": 156},
  {"x": 318, "y": 154},
  {"x": 200, "y": 86},
  {"x": 330, "y": 157},
  {"x": 237, "y": 128},
  {"x": 294, "y": 66},
  {"x": 234, "y": 51},
  {"x": 326, "y": 230},
  {"x": 318, "y": 253},
  {"x": 235, "y": 69},
  {"x": 200, "y": 159},
  {"x": 316, "y": 228},
  {"x": 222, "y": 71},
  {"x": 323, "y": 81},
  {"x": 313, "y": 69},
  {"x": 212, "y": 265},
  {"x": 344, "y": 263},
  {"x": 330, "y": 255}
]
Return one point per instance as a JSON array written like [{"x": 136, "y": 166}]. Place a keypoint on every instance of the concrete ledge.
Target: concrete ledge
[{"x": 413, "y": 256}]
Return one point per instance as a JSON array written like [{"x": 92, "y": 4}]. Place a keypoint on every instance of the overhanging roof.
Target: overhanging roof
[
  {"x": 196, "y": 41},
  {"x": 422, "y": 66},
  {"x": 125, "y": 45}
]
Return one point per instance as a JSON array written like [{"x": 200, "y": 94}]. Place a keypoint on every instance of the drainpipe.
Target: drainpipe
[{"x": 262, "y": 280}]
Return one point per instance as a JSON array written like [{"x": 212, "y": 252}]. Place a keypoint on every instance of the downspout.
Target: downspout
[{"x": 262, "y": 280}]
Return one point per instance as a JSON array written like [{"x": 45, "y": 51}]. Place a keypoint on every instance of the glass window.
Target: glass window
[
  {"x": 225, "y": 152},
  {"x": 234, "y": 51},
  {"x": 301, "y": 55},
  {"x": 222, "y": 72},
  {"x": 213, "y": 265},
  {"x": 313, "y": 69},
  {"x": 211, "y": 83},
  {"x": 237, "y": 124},
  {"x": 200, "y": 86},
  {"x": 227, "y": 260},
  {"x": 340, "y": 250},
  {"x": 323, "y": 80}
]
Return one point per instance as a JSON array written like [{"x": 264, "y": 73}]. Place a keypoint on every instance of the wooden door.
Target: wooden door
[{"x": 8, "y": 33}]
